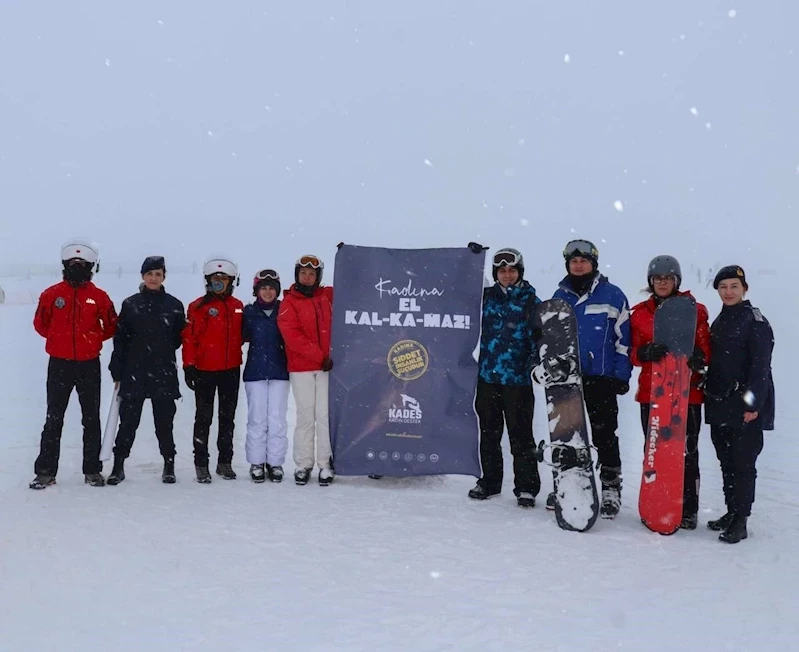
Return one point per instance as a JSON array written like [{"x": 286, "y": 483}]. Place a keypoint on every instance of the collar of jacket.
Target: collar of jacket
[{"x": 599, "y": 278}]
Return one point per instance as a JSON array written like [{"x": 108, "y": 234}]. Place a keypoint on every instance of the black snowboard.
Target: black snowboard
[{"x": 576, "y": 499}]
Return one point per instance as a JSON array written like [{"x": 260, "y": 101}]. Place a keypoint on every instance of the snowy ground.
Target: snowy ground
[{"x": 370, "y": 565}]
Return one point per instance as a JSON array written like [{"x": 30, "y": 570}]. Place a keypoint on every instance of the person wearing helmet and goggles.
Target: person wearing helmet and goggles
[
  {"x": 212, "y": 341},
  {"x": 664, "y": 278},
  {"x": 75, "y": 317},
  {"x": 266, "y": 380},
  {"x": 305, "y": 320},
  {"x": 504, "y": 389}
]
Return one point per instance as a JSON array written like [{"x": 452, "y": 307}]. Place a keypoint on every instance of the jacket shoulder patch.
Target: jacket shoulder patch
[{"x": 757, "y": 314}]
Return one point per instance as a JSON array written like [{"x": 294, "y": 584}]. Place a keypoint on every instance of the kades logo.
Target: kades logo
[{"x": 410, "y": 412}]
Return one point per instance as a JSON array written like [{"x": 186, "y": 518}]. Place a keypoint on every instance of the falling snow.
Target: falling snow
[
  {"x": 566, "y": 58},
  {"x": 694, "y": 110},
  {"x": 618, "y": 206},
  {"x": 732, "y": 13},
  {"x": 428, "y": 163}
]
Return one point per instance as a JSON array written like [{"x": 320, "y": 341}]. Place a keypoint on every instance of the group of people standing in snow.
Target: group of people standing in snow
[
  {"x": 289, "y": 348},
  {"x": 731, "y": 365}
]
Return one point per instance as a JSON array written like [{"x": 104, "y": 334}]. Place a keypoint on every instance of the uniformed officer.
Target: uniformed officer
[{"x": 739, "y": 397}]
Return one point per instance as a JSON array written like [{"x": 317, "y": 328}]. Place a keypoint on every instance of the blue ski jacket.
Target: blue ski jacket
[
  {"x": 266, "y": 357},
  {"x": 507, "y": 348},
  {"x": 603, "y": 326}
]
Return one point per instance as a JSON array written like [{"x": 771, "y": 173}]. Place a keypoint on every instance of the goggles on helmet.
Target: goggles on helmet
[
  {"x": 310, "y": 261},
  {"x": 267, "y": 274},
  {"x": 506, "y": 258},
  {"x": 582, "y": 248}
]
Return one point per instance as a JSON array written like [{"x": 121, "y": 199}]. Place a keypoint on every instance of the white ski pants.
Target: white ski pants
[
  {"x": 310, "y": 397},
  {"x": 267, "y": 430}
]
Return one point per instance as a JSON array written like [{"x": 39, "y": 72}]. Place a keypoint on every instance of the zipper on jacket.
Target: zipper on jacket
[
  {"x": 74, "y": 324},
  {"x": 227, "y": 334}
]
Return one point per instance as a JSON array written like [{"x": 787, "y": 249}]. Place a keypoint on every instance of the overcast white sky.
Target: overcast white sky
[{"x": 270, "y": 129}]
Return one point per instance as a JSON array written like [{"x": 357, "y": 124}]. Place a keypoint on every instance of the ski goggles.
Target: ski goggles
[
  {"x": 310, "y": 261},
  {"x": 506, "y": 259},
  {"x": 267, "y": 274},
  {"x": 582, "y": 248}
]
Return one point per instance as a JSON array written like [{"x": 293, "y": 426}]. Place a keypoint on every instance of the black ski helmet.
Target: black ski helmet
[
  {"x": 664, "y": 265},
  {"x": 507, "y": 257}
]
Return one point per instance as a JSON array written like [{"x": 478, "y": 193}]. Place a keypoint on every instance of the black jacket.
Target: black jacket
[
  {"x": 739, "y": 374},
  {"x": 148, "y": 334}
]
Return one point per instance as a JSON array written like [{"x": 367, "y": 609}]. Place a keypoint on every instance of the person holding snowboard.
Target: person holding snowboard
[
  {"x": 305, "y": 321},
  {"x": 149, "y": 332},
  {"x": 266, "y": 381},
  {"x": 663, "y": 281},
  {"x": 212, "y": 341},
  {"x": 504, "y": 386},
  {"x": 739, "y": 402},
  {"x": 603, "y": 324},
  {"x": 75, "y": 317}
]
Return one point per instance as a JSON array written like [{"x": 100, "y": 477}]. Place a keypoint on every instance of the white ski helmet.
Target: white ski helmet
[
  {"x": 83, "y": 249},
  {"x": 221, "y": 265}
]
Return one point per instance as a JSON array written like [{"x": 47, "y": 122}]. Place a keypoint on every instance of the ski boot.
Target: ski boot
[
  {"x": 326, "y": 477},
  {"x": 94, "y": 479},
  {"x": 551, "y": 501},
  {"x": 257, "y": 473},
  {"x": 721, "y": 523},
  {"x": 525, "y": 499},
  {"x": 689, "y": 522},
  {"x": 736, "y": 530},
  {"x": 203, "y": 474},
  {"x": 481, "y": 493},
  {"x": 301, "y": 476},
  {"x": 117, "y": 473},
  {"x": 275, "y": 473},
  {"x": 168, "y": 474},
  {"x": 226, "y": 471},
  {"x": 42, "y": 481},
  {"x": 611, "y": 502}
]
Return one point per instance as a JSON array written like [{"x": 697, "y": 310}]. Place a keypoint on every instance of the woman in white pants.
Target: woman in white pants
[
  {"x": 305, "y": 320},
  {"x": 266, "y": 381}
]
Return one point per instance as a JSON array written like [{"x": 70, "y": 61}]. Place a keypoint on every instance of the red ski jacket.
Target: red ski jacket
[
  {"x": 305, "y": 323},
  {"x": 212, "y": 335},
  {"x": 75, "y": 321},
  {"x": 642, "y": 326}
]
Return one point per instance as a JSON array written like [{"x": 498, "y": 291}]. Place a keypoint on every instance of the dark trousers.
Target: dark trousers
[
  {"x": 603, "y": 413},
  {"x": 690, "y": 492},
  {"x": 209, "y": 383},
  {"x": 62, "y": 377},
  {"x": 130, "y": 409},
  {"x": 737, "y": 449},
  {"x": 496, "y": 405}
]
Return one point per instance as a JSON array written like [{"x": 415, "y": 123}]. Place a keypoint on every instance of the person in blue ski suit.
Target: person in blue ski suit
[
  {"x": 603, "y": 325},
  {"x": 504, "y": 387}
]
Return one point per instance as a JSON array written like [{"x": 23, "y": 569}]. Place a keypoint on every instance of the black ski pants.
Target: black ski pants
[
  {"x": 497, "y": 405},
  {"x": 737, "y": 449},
  {"x": 602, "y": 406},
  {"x": 62, "y": 377},
  {"x": 209, "y": 383},
  {"x": 690, "y": 492},
  {"x": 130, "y": 409}
]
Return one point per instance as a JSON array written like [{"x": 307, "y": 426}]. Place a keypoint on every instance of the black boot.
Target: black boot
[
  {"x": 736, "y": 531},
  {"x": 551, "y": 501},
  {"x": 203, "y": 474},
  {"x": 117, "y": 473},
  {"x": 42, "y": 481},
  {"x": 94, "y": 479},
  {"x": 275, "y": 473},
  {"x": 721, "y": 523},
  {"x": 689, "y": 522},
  {"x": 226, "y": 471},
  {"x": 480, "y": 492},
  {"x": 168, "y": 474}
]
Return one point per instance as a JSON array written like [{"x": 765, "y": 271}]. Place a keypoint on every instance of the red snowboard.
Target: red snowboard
[{"x": 661, "y": 496}]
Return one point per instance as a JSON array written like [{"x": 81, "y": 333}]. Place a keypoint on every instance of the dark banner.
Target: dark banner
[{"x": 406, "y": 323}]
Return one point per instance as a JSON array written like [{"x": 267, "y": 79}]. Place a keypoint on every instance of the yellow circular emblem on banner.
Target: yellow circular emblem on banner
[{"x": 408, "y": 360}]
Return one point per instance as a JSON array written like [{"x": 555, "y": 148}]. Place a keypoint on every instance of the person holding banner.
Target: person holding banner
[
  {"x": 266, "y": 381},
  {"x": 305, "y": 320},
  {"x": 504, "y": 388},
  {"x": 212, "y": 363},
  {"x": 143, "y": 363},
  {"x": 75, "y": 317},
  {"x": 603, "y": 324}
]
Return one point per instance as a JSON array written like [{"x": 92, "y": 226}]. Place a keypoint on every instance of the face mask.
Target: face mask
[
  {"x": 77, "y": 273},
  {"x": 219, "y": 284}
]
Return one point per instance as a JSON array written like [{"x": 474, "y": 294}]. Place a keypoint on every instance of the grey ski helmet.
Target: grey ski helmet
[{"x": 664, "y": 265}]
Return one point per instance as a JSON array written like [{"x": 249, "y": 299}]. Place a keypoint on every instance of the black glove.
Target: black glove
[
  {"x": 652, "y": 352},
  {"x": 190, "y": 373},
  {"x": 619, "y": 387},
  {"x": 327, "y": 364},
  {"x": 697, "y": 360},
  {"x": 476, "y": 247},
  {"x": 339, "y": 245}
]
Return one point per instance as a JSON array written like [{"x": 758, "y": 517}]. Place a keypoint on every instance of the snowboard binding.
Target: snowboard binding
[{"x": 565, "y": 457}]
